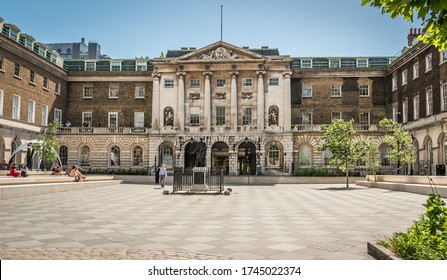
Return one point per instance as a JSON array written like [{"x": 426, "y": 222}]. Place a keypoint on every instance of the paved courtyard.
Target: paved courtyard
[{"x": 136, "y": 221}]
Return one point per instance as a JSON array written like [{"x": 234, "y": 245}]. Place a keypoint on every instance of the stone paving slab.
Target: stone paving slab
[{"x": 307, "y": 221}]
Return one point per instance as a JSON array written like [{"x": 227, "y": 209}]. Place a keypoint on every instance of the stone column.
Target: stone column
[
  {"x": 287, "y": 106},
  {"x": 181, "y": 101},
  {"x": 234, "y": 108},
  {"x": 261, "y": 100},
  {"x": 156, "y": 101},
  {"x": 207, "y": 101}
]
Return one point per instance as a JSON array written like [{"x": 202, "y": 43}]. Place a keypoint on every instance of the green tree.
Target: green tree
[
  {"x": 372, "y": 158},
  {"x": 48, "y": 143},
  {"x": 401, "y": 149},
  {"x": 338, "y": 139},
  {"x": 433, "y": 14}
]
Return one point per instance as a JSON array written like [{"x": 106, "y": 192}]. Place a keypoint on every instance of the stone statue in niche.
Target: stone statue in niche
[
  {"x": 169, "y": 117},
  {"x": 273, "y": 117}
]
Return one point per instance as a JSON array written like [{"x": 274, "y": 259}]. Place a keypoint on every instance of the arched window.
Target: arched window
[
  {"x": 305, "y": 156},
  {"x": 84, "y": 156},
  {"x": 273, "y": 153},
  {"x": 63, "y": 155},
  {"x": 167, "y": 153},
  {"x": 383, "y": 150},
  {"x": 13, "y": 149},
  {"x": 115, "y": 156},
  {"x": 137, "y": 156}
]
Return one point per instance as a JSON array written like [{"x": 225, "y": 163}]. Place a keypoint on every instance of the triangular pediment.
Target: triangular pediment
[{"x": 220, "y": 51}]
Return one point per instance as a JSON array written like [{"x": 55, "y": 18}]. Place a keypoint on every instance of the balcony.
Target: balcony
[{"x": 103, "y": 130}]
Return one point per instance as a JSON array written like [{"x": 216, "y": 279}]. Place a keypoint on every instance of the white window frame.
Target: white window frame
[
  {"x": 221, "y": 82},
  {"x": 306, "y": 88},
  {"x": 115, "y": 66},
  {"x": 362, "y": 120},
  {"x": 336, "y": 91},
  {"x": 416, "y": 107},
  {"x": 394, "y": 81},
  {"x": 2, "y": 63},
  {"x": 1, "y": 101},
  {"x": 395, "y": 112},
  {"x": 17, "y": 70},
  {"x": 220, "y": 117},
  {"x": 31, "y": 111},
  {"x": 138, "y": 119},
  {"x": 274, "y": 81},
  {"x": 87, "y": 92},
  {"x": 247, "y": 82},
  {"x": 442, "y": 56},
  {"x": 247, "y": 115},
  {"x": 90, "y": 66},
  {"x": 334, "y": 61},
  {"x": 87, "y": 117},
  {"x": 306, "y": 118},
  {"x": 428, "y": 62},
  {"x": 32, "y": 77},
  {"x": 444, "y": 97},
  {"x": 140, "y": 92},
  {"x": 405, "y": 111},
  {"x": 44, "y": 115},
  {"x": 416, "y": 70},
  {"x": 404, "y": 76},
  {"x": 168, "y": 83},
  {"x": 194, "y": 111},
  {"x": 141, "y": 66},
  {"x": 306, "y": 63},
  {"x": 110, "y": 115},
  {"x": 114, "y": 91},
  {"x": 362, "y": 62},
  {"x": 363, "y": 89},
  {"x": 194, "y": 83},
  {"x": 429, "y": 101},
  {"x": 15, "y": 114},
  {"x": 57, "y": 88},
  {"x": 336, "y": 115},
  {"x": 58, "y": 115},
  {"x": 46, "y": 83}
]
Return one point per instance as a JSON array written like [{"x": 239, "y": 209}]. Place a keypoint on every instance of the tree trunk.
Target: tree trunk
[{"x": 347, "y": 176}]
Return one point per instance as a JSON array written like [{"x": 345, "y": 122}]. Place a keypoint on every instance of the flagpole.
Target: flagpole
[{"x": 221, "y": 21}]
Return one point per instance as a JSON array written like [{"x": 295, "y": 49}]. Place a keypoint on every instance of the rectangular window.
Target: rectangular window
[
  {"x": 336, "y": 91},
  {"x": 194, "y": 116},
  {"x": 428, "y": 62},
  {"x": 246, "y": 115},
  {"x": 307, "y": 90},
  {"x": 31, "y": 110},
  {"x": 405, "y": 111},
  {"x": 444, "y": 96},
  {"x": 306, "y": 118},
  {"x": 416, "y": 107},
  {"x": 139, "y": 91},
  {"x": 273, "y": 81},
  {"x": 17, "y": 70},
  {"x": 113, "y": 119},
  {"x": 362, "y": 62},
  {"x": 2, "y": 62},
  {"x": 306, "y": 63},
  {"x": 335, "y": 115},
  {"x": 220, "y": 115},
  {"x": 114, "y": 91},
  {"x": 247, "y": 82},
  {"x": 87, "y": 119},
  {"x": 169, "y": 83},
  {"x": 44, "y": 115},
  {"x": 138, "y": 119},
  {"x": 394, "y": 81},
  {"x": 90, "y": 66},
  {"x": 115, "y": 66},
  {"x": 404, "y": 76},
  {"x": 141, "y": 66},
  {"x": 415, "y": 70},
  {"x": 334, "y": 63},
  {"x": 429, "y": 99},
  {"x": 45, "y": 82},
  {"x": 221, "y": 82},
  {"x": 16, "y": 107},
  {"x": 194, "y": 83},
  {"x": 364, "y": 90},
  {"x": 87, "y": 92},
  {"x": 443, "y": 56},
  {"x": 396, "y": 112},
  {"x": 58, "y": 115},
  {"x": 32, "y": 77},
  {"x": 1, "y": 102},
  {"x": 57, "y": 89},
  {"x": 364, "y": 120}
]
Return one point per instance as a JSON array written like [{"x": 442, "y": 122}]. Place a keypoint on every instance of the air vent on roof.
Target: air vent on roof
[
  {"x": 184, "y": 48},
  {"x": 264, "y": 47},
  {"x": 246, "y": 47}
]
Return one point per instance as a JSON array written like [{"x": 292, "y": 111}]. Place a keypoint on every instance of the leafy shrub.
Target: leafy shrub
[
  {"x": 322, "y": 172},
  {"x": 426, "y": 239}
]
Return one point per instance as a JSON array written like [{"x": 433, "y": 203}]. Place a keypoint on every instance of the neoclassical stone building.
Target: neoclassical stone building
[{"x": 250, "y": 107}]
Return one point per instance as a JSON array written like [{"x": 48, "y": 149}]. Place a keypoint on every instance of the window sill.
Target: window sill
[
  {"x": 17, "y": 77},
  {"x": 57, "y": 93},
  {"x": 2, "y": 70},
  {"x": 112, "y": 97},
  {"x": 46, "y": 89},
  {"x": 364, "y": 96},
  {"x": 33, "y": 84},
  {"x": 139, "y": 97},
  {"x": 87, "y": 97}
]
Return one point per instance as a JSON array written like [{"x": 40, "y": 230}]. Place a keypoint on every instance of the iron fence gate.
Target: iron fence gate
[{"x": 184, "y": 179}]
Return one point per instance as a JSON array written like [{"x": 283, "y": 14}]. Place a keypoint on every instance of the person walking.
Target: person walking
[
  {"x": 157, "y": 174},
  {"x": 163, "y": 175}
]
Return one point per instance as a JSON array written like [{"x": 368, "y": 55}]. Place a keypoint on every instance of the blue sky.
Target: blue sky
[{"x": 126, "y": 29}]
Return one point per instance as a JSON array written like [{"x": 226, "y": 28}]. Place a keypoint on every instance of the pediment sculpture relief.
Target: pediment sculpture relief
[
  {"x": 247, "y": 95},
  {"x": 220, "y": 53},
  {"x": 221, "y": 95}
]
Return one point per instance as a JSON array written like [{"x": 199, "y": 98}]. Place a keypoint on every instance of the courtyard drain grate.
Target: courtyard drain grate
[{"x": 331, "y": 247}]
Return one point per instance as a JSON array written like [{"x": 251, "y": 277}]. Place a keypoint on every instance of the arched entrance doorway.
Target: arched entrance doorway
[
  {"x": 246, "y": 158},
  {"x": 220, "y": 157}
]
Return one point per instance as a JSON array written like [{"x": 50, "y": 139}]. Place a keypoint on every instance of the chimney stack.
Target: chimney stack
[{"x": 414, "y": 33}]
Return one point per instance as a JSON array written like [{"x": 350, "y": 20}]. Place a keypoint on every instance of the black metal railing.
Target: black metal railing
[{"x": 184, "y": 180}]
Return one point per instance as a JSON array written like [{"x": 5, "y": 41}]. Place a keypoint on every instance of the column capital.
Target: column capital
[
  {"x": 234, "y": 73},
  {"x": 156, "y": 75},
  {"x": 181, "y": 74},
  {"x": 287, "y": 74},
  {"x": 260, "y": 73},
  {"x": 207, "y": 73}
]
